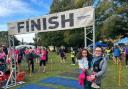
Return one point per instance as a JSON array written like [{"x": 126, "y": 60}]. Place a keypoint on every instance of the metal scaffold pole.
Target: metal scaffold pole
[{"x": 12, "y": 78}]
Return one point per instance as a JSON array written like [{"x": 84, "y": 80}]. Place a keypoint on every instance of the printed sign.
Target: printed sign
[{"x": 77, "y": 18}]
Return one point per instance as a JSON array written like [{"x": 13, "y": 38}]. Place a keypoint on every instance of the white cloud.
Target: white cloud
[
  {"x": 26, "y": 37},
  {"x": 10, "y": 7}
]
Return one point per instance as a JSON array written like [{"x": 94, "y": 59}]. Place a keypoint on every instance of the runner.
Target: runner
[
  {"x": 43, "y": 60},
  {"x": 62, "y": 55},
  {"x": 116, "y": 54},
  {"x": 126, "y": 56},
  {"x": 31, "y": 61},
  {"x": 73, "y": 56}
]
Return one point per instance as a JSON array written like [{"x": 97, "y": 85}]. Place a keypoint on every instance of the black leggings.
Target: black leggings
[
  {"x": 43, "y": 62},
  {"x": 31, "y": 64},
  {"x": 126, "y": 59},
  {"x": 73, "y": 60}
]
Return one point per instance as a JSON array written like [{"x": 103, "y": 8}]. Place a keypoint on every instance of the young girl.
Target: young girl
[{"x": 85, "y": 65}]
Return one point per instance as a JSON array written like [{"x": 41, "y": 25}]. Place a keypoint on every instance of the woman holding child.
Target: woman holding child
[{"x": 93, "y": 68}]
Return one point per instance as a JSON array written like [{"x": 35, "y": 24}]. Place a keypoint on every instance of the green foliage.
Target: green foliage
[
  {"x": 50, "y": 38},
  {"x": 68, "y": 37},
  {"x": 111, "y": 22},
  {"x": 74, "y": 38},
  {"x": 112, "y": 19},
  {"x": 55, "y": 68},
  {"x": 16, "y": 41},
  {"x": 4, "y": 39}
]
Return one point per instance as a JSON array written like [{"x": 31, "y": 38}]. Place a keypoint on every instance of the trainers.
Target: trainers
[
  {"x": 94, "y": 85},
  {"x": 44, "y": 71}
]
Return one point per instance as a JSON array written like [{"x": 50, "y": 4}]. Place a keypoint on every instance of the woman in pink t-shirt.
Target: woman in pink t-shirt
[{"x": 43, "y": 59}]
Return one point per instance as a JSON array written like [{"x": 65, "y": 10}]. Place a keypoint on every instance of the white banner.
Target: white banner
[{"x": 77, "y": 18}]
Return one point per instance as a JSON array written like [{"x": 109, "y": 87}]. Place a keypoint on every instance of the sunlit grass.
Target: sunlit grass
[{"x": 54, "y": 68}]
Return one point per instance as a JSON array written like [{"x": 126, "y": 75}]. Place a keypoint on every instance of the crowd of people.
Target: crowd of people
[
  {"x": 93, "y": 66},
  {"x": 10, "y": 58}
]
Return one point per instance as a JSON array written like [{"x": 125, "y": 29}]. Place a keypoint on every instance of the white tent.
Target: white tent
[
  {"x": 22, "y": 46},
  {"x": 122, "y": 41}
]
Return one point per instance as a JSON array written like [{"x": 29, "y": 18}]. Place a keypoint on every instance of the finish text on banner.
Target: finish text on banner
[{"x": 77, "y": 18}]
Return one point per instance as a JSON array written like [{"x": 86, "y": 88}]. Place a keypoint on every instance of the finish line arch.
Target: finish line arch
[{"x": 77, "y": 18}]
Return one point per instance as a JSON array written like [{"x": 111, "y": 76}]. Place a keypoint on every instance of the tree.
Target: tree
[
  {"x": 4, "y": 39},
  {"x": 111, "y": 19},
  {"x": 111, "y": 22},
  {"x": 68, "y": 37}
]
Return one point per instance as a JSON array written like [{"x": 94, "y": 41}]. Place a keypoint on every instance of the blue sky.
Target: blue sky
[{"x": 13, "y": 10}]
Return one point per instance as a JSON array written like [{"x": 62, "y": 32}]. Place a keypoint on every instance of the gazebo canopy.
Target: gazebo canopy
[{"x": 122, "y": 41}]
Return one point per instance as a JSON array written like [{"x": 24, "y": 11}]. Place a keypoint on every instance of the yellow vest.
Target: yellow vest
[{"x": 72, "y": 54}]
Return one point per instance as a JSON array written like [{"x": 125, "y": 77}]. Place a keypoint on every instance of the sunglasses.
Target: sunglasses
[{"x": 98, "y": 50}]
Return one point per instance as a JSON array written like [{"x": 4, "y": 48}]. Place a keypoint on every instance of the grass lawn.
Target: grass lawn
[{"x": 54, "y": 68}]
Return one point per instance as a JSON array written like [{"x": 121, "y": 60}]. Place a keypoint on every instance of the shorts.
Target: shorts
[
  {"x": 37, "y": 56},
  {"x": 2, "y": 60},
  {"x": 43, "y": 62},
  {"x": 126, "y": 56},
  {"x": 31, "y": 61},
  {"x": 117, "y": 57}
]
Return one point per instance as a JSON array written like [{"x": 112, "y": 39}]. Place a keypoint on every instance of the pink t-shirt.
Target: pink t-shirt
[
  {"x": 37, "y": 51},
  {"x": 27, "y": 51},
  {"x": 43, "y": 57},
  {"x": 16, "y": 51},
  {"x": 2, "y": 55},
  {"x": 8, "y": 61}
]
